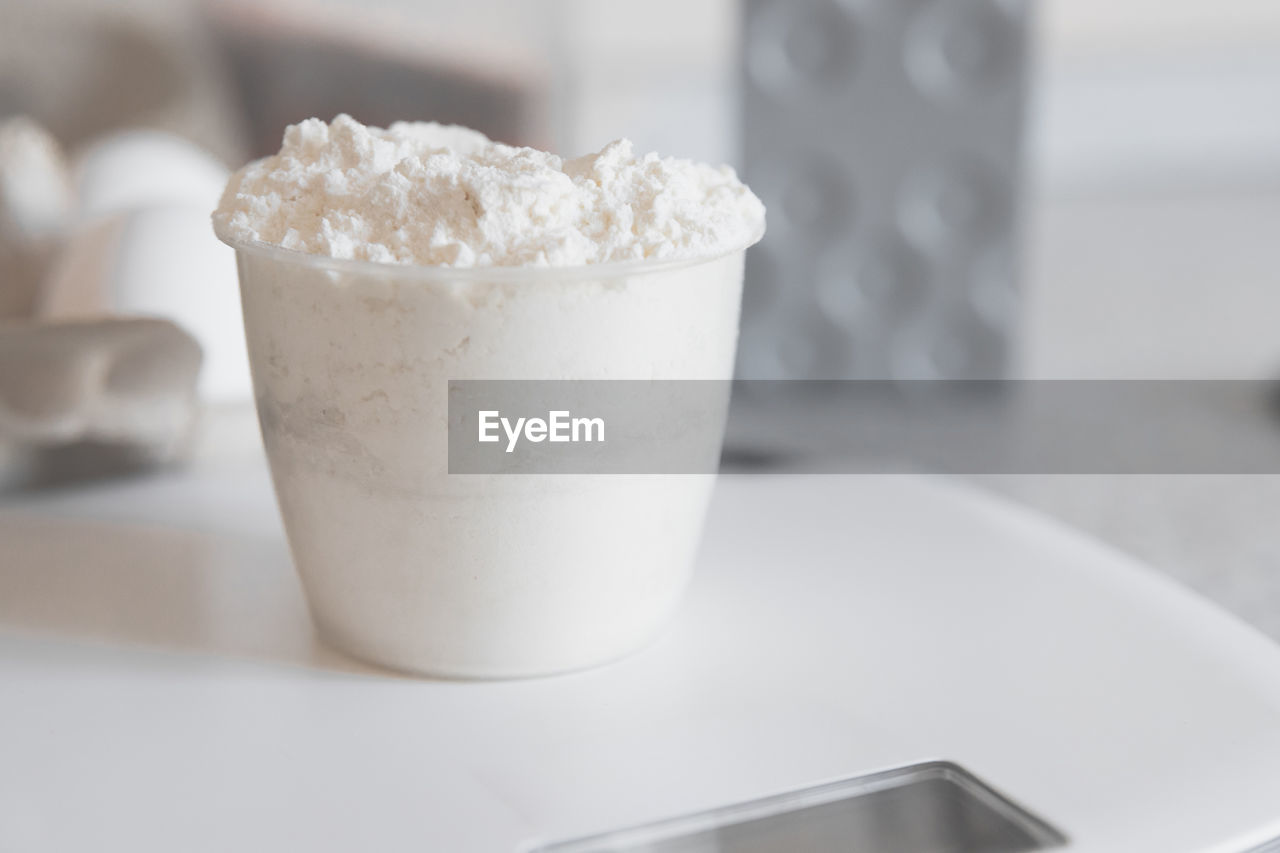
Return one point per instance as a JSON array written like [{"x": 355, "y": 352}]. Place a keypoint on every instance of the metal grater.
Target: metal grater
[{"x": 884, "y": 137}]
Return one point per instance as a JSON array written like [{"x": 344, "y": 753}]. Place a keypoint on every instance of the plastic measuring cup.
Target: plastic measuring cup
[{"x": 474, "y": 576}]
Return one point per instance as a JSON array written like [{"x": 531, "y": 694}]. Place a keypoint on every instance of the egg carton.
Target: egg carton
[
  {"x": 81, "y": 399},
  {"x": 885, "y": 138}
]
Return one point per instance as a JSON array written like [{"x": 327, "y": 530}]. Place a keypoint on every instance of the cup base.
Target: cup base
[{"x": 447, "y": 671}]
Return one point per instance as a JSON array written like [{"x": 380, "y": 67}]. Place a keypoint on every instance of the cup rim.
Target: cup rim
[{"x": 424, "y": 272}]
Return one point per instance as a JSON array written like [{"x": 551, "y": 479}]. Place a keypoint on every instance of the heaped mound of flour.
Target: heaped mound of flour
[{"x": 420, "y": 193}]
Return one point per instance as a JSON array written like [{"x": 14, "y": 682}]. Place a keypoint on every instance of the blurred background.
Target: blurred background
[
  {"x": 1119, "y": 168},
  {"x": 957, "y": 188},
  {"x": 1137, "y": 148}
]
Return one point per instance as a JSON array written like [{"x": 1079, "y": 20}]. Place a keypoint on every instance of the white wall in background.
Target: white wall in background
[
  {"x": 1155, "y": 190},
  {"x": 1152, "y": 94}
]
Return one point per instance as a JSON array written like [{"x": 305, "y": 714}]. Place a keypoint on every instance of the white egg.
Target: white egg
[
  {"x": 163, "y": 261},
  {"x": 35, "y": 186},
  {"x": 35, "y": 207},
  {"x": 137, "y": 168}
]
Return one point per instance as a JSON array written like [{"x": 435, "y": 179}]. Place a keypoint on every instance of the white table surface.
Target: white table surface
[{"x": 163, "y": 689}]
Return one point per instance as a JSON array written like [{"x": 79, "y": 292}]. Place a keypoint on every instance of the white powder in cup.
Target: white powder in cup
[{"x": 422, "y": 193}]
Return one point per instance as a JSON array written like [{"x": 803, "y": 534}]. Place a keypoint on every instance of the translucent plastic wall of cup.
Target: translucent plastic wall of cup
[{"x": 474, "y": 576}]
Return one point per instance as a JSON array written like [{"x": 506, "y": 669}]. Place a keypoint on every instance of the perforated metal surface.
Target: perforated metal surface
[{"x": 884, "y": 136}]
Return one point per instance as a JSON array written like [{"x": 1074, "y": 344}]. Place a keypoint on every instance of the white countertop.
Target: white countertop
[{"x": 163, "y": 689}]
